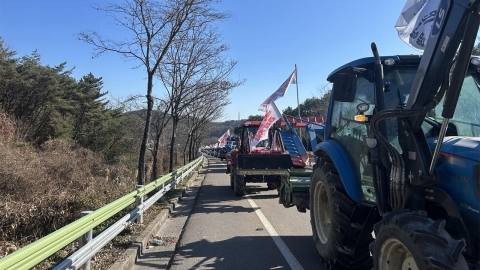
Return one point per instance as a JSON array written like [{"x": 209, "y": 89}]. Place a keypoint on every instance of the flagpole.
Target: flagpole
[{"x": 298, "y": 102}]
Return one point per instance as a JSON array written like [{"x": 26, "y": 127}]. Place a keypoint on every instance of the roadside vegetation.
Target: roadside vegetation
[{"x": 66, "y": 146}]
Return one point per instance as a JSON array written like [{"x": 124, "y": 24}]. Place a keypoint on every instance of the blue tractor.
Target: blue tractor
[{"x": 396, "y": 184}]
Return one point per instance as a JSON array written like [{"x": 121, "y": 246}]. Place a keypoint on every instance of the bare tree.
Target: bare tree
[
  {"x": 161, "y": 118},
  {"x": 324, "y": 96},
  {"x": 151, "y": 28},
  {"x": 199, "y": 115},
  {"x": 195, "y": 67}
]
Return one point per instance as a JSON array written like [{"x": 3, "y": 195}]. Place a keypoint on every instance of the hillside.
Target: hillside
[{"x": 218, "y": 128}]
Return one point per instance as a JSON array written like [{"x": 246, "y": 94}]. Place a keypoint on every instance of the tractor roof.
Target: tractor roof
[
  {"x": 369, "y": 61},
  {"x": 250, "y": 123}
]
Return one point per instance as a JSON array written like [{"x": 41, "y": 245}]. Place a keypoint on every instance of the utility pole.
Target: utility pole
[{"x": 298, "y": 102}]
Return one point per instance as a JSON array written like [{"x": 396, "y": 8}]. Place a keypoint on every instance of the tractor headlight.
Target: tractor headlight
[
  {"x": 475, "y": 61},
  {"x": 389, "y": 61}
]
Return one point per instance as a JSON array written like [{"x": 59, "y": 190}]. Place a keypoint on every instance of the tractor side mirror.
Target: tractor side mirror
[
  {"x": 344, "y": 87},
  {"x": 236, "y": 130}
]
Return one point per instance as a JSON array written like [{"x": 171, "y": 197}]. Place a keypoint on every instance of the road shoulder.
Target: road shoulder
[{"x": 173, "y": 218}]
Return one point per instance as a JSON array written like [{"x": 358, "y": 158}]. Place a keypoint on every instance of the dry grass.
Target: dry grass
[
  {"x": 42, "y": 190},
  {"x": 7, "y": 128}
]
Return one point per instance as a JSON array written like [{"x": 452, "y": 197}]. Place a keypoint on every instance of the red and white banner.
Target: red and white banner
[
  {"x": 223, "y": 138},
  {"x": 280, "y": 91},
  {"x": 415, "y": 22},
  {"x": 272, "y": 115}
]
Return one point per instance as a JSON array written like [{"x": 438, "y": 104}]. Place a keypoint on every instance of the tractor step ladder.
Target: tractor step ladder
[{"x": 294, "y": 145}]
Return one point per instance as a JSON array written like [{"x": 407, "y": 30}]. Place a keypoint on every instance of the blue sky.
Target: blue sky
[{"x": 267, "y": 37}]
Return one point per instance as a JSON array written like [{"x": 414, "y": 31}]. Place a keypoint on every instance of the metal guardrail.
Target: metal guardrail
[{"x": 43, "y": 248}]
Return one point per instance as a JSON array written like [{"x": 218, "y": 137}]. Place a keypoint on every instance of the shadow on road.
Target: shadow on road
[
  {"x": 245, "y": 253},
  {"x": 257, "y": 191},
  {"x": 218, "y": 199}
]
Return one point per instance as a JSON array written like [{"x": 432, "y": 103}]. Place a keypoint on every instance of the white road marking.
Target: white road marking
[{"x": 287, "y": 254}]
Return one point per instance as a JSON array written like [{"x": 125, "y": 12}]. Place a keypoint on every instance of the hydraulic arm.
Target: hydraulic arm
[{"x": 442, "y": 69}]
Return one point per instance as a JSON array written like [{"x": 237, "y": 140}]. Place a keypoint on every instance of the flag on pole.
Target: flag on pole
[
  {"x": 271, "y": 116},
  {"x": 415, "y": 22},
  {"x": 280, "y": 91},
  {"x": 223, "y": 138}
]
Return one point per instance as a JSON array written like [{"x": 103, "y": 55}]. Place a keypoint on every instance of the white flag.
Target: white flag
[
  {"x": 271, "y": 116},
  {"x": 415, "y": 22},
  {"x": 280, "y": 91},
  {"x": 223, "y": 138}
]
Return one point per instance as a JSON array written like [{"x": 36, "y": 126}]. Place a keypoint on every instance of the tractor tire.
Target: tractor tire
[
  {"x": 233, "y": 171},
  {"x": 239, "y": 184},
  {"x": 273, "y": 185},
  {"x": 330, "y": 211},
  {"x": 410, "y": 240}
]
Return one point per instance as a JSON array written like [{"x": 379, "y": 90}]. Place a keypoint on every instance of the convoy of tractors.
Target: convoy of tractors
[{"x": 395, "y": 182}]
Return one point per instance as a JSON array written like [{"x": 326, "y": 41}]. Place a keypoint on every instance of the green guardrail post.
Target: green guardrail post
[
  {"x": 84, "y": 239},
  {"x": 174, "y": 179},
  {"x": 139, "y": 202}
]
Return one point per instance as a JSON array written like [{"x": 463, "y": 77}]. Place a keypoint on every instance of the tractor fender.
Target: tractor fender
[{"x": 339, "y": 157}]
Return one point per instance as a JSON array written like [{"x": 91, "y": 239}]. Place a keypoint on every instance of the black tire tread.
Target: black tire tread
[
  {"x": 341, "y": 208},
  {"x": 430, "y": 244},
  {"x": 239, "y": 184}
]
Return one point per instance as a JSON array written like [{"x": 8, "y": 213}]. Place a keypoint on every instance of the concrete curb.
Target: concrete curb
[{"x": 128, "y": 258}]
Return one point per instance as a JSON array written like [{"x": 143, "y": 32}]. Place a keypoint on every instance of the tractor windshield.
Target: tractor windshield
[
  {"x": 466, "y": 120},
  {"x": 397, "y": 84},
  {"x": 250, "y": 132}
]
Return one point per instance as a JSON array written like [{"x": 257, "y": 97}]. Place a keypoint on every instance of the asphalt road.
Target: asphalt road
[{"x": 253, "y": 232}]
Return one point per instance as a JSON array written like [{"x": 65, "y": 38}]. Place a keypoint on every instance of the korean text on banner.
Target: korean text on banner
[
  {"x": 280, "y": 91},
  {"x": 415, "y": 22},
  {"x": 271, "y": 116}
]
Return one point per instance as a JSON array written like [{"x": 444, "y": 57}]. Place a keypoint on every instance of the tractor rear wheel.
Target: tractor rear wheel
[
  {"x": 239, "y": 184},
  {"x": 410, "y": 240},
  {"x": 330, "y": 211},
  {"x": 274, "y": 184}
]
